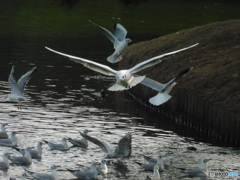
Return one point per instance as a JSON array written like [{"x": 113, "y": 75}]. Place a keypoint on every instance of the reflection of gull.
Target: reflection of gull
[
  {"x": 26, "y": 159},
  {"x": 63, "y": 146},
  {"x": 35, "y": 152},
  {"x": 4, "y": 164},
  {"x": 150, "y": 166},
  {"x": 123, "y": 148},
  {"x": 156, "y": 175},
  {"x": 89, "y": 174},
  {"x": 201, "y": 171},
  {"x": 41, "y": 176},
  {"x": 124, "y": 78},
  {"x": 3, "y": 133},
  {"x": 80, "y": 142},
  {"x": 165, "y": 159},
  {"x": 24, "y": 175},
  {"x": 10, "y": 142},
  {"x": 119, "y": 40},
  {"x": 163, "y": 89},
  {"x": 17, "y": 88}
]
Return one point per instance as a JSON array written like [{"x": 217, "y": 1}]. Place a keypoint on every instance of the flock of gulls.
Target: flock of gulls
[{"x": 125, "y": 79}]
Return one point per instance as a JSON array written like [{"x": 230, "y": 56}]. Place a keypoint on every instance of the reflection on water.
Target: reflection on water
[{"x": 64, "y": 96}]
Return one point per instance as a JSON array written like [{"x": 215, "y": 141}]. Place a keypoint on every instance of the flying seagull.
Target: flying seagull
[
  {"x": 17, "y": 88},
  {"x": 41, "y": 176},
  {"x": 119, "y": 40},
  {"x": 122, "y": 150},
  {"x": 163, "y": 89},
  {"x": 124, "y": 78}
]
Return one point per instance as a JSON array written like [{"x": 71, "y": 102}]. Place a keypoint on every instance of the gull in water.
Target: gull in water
[
  {"x": 36, "y": 153},
  {"x": 17, "y": 88},
  {"x": 122, "y": 150},
  {"x": 165, "y": 159},
  {"x": 80, "y": 142},
  {"x": 24, "y": 160},
  {"x": 41, "y": 176},
  {"x": 4, "y": 164},
  {"x": 119, "y": 40},
  {"x": 201, "y": 171},
  {"x": 24, "y": 175},
  {"x": 102, "y": 169},
  {"x": 63, "y": 146},
  {"x": 156, "y": 175},
  {"x": 150, "y": 166},
  {"x": 124, "y": 78},
  {"x": 10, "y": 142},
  {"x": 87, "y": 174},
  {"x": 163, "y": 89},
  {"x": 3, "y": 132}
]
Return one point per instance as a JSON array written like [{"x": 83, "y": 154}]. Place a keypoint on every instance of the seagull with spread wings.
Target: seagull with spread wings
[{"x": 124, "y": 78}]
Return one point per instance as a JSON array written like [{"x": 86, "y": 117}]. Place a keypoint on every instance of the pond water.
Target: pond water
[{"x": 64, "y": 95}]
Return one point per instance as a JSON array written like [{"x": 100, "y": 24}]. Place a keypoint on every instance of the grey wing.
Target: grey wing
[
  {"x": 149, "y": 159},
  {"x": 25, "y": 78},
  {"x": 6, "y": 141},
  {"x": 89, "y": 64},
  {"x": 148, "y": 167},
  {"x": 3, "y": 135},
  {"x": 108, "y": 34},
  {"x": 43, "y": 176},
  {"x": 125, "y": 145},
  {"x": 33, "y": 153},
  {"x": 152, "y": 84},
  {"x": 21, "y": 160},
  {"x": 120, "y": 32},
  {"x": 13, "y": 84},
  {"x": 155, "y": 60},
  {"x": 3, "y": 165},
  {"x": 195, "y": 172},
  {"x": 101, "y": 144}
]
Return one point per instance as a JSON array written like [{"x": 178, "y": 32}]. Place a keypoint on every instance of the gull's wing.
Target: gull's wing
[
  {"x": 125, "y": 145},
  {"x": 40, "y": 175},
  {"x": 101, "y": 144},
  {"x": 21, "y": 160},
  {"x": 22, "y": 82},
  {"x": 14, "y": 87},
  {"x": 120, "y": 32},
  {"x": 155, "y": 60},
  {"x": 89, "y": 64},
  {"x": 153, "y": 84},
  {"x": 108, "y": 34}
]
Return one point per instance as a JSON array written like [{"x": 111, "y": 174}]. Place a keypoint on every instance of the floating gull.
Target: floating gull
[
  {"x": 17, "y": 88},
  {"x": 124, "y": 78},
  {"x": 4, "y": 164},
  {"x": 164, "y": 89},
  {"x": 165, "y": 159},
  {"x": 123, "y": 148},
  {"x": 24, "y": 175},
  {"x": 89, "y": 174},
  {"x": 3, "y": 132},
  {"x": 25, "y": 159},
  {"x": 119, "y": 40},
  {"x": 41, "y": 176},
  {"x": 36, "y": 153},
  {"x": 201, "y": 171},
  {"x": 63, "y": 146},
  {"x": 80, "y": 142},
  {"x": 10, "y": 142},
  {"x": 150, "y": 166},
  {"x": 102, "y": 169},
  {"x": 156, "y": 175}
]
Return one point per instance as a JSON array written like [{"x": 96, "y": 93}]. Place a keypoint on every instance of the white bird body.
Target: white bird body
[
  {"x": 122, "y": 150},
  {"x": 201, "y": 171},
  {"x": 119, "y": 40},
  {"x": 3, "y": 132},
  {"x": 103, "y": 169},
  {"x": 124, "y": 78},
  {"x": 156, "y": 175},
  {"x": 26, "y": 159},
  {"x": 17, "y": 88},
  {"x": 4, "y": 164},
  {"x": 63, "y": 146},
  {"x": 80, "y": 142},
  {"x": 10, "y": 142},
  {"x": 42, "y": 176}
]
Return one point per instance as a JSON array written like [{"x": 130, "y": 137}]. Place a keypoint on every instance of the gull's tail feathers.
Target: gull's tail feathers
[
  {"x": 114, "y": 58},
  {"x": 136, "y": 81},
  {"x": 117, "y": 87},
  {"x": 159, "y": 99}
]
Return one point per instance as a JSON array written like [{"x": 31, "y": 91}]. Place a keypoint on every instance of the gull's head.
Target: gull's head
[
  {"x": 85, "y": 131},
  {"x": 54, "y": 167},
  {"x": 24, "y": 175},
  {"x": 128, "y": 40},
  {"x": 39, "y": 143},
  {"x": 64, "y": 139},
  {"x": 124, "y": 75},
  {"x": 206, "y": 160},
  {"x": 6, "y": 154},
  {"x": 13, "y": 134}
]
